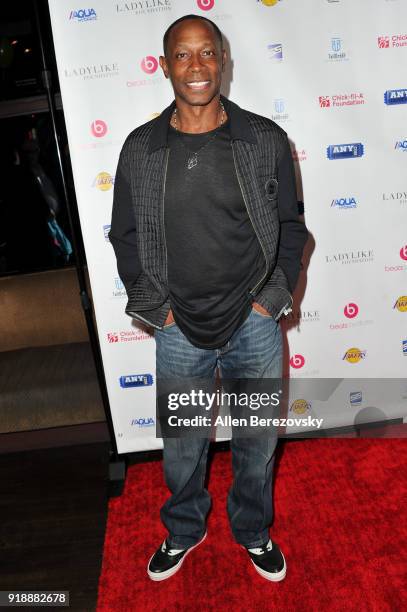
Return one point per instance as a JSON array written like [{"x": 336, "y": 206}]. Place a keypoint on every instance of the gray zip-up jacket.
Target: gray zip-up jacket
[{"x": 137, "y": 227}]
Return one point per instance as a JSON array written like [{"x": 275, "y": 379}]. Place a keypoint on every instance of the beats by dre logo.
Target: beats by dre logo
[
  {"x": 205, "y": 5},
  {"x": 98, "y": 128},
  {"x": 149, "y": 64},
  {"x": 297, "y": 361},
  {"x": 403, "y": 252},
  {"x": 351, "y": 310}
]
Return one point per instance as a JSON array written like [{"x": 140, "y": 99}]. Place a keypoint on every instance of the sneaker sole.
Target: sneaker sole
[
  {"x": 173, "y": 570},
  {"x": 273, "y": 577}
]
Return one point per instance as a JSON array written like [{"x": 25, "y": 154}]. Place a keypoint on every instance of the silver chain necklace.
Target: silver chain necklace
[{"x": 193, "y": 159}]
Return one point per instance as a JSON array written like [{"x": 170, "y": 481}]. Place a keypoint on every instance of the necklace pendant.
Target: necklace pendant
[{"x": 192, "y": 161}]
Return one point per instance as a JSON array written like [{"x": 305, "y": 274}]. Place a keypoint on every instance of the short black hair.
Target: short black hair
[{"x": 218, "y": 33}]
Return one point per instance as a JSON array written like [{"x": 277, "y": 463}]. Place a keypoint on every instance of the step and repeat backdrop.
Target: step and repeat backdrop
[{"x": 333, "y": 75}]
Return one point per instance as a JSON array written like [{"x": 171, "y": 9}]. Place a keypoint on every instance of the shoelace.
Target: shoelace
[
  {"x": 261, "y": 551},
  {"x": 171, "y": 552}
]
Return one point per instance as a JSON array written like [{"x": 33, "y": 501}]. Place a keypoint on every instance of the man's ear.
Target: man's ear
[
  {"x": 163, "y": 64},
  {"x": 224, "y": 58}
]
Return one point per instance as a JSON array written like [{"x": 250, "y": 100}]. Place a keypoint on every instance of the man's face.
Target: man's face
[{"x": 194, "y": 62}]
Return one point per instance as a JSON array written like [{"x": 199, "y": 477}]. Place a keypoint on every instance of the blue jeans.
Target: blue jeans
[{"x": 254, "y": 351}]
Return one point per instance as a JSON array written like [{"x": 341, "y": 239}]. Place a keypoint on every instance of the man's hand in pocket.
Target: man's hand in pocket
[
  {"x": 260, "y": 309},
  {"x": 169, "y": 319}
]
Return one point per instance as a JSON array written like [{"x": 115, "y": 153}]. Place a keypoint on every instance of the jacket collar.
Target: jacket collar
[{"x": 239, "y": 126}]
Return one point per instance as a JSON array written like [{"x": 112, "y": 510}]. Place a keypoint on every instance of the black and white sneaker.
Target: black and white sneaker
[
  {"x": 269, "y": 561},
  {"x": 166, "y": 561}
]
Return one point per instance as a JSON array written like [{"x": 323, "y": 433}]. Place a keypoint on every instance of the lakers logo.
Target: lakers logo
[
  {"x": 300, "y": 406},
  {"x": 401, "y": 303},
  {"x": 353, "y": 355},
  {"x": 270, "y": 2},
  {"x": 104, "y": 181}
]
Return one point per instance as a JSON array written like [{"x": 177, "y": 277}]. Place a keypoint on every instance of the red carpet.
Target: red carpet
[{"x": 340, "y": 518}]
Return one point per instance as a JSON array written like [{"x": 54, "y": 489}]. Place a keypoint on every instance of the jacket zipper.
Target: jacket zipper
[
  {"x": 253, "y": 291},
  {"x": 162, "y": 215}
]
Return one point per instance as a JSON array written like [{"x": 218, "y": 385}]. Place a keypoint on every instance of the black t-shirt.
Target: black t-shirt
[{"x": 214, "y": 256}]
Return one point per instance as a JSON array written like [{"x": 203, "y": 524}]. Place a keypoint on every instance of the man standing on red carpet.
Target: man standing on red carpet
[{"x": 208, "y": 243}]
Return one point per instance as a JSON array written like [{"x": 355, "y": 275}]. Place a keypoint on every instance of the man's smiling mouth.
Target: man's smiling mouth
[{"x": 198, "y": 85}]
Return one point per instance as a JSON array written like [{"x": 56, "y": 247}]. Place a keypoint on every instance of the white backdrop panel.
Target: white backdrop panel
[{"x": 325, "y": 86}]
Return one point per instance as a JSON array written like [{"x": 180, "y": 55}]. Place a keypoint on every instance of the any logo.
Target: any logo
[
  {"x": 136, "y": 380},
  {"x": 345, "y": 151},
  {"x": 119, "y": 291},
  {"x": 128, "y": 335},
  {"x": 401, "y": 145},
  {"x": 401, "y": 303},
  {"x": 395, "y": 96},
  {"x": 346, "y": 257},
  {"x": 383, "y": 42},
  {"x": 336, "y": 52},
  {"x": 98, "y": 128},
  {"x": 205, "y": 5},
  {"x": 353, "y": 355},
  {"x": 143, "y": 422},
  {"x": 149, "y": 64},
  {"x": 297, "y": 361},
  {"x": 404, "y": 346},
  {"x": 280, "y": 113},
  {"x": 351, "y": 310},
  {"x": 344, "y": 203},
  {"x": 279, "y": 105},
  {"x": 144, "y": 6},
  {"x": 403, "y": 252},
  {"x": 83, "y": 14},
  {"x": 93, "y": 71},
  {"x": 276, "y": 51},
  {"x": 104, "y": 181},
  {"x": 396, "y": 40},
  {"x": 355, "y": 398},
  {"x": 106, "y": 230},
  {"x": 395, "y": 196},
  {"x": 300, "y": 406},
  {"x": 324, "y": 101},
  {"x": 336, "y": 44}
]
